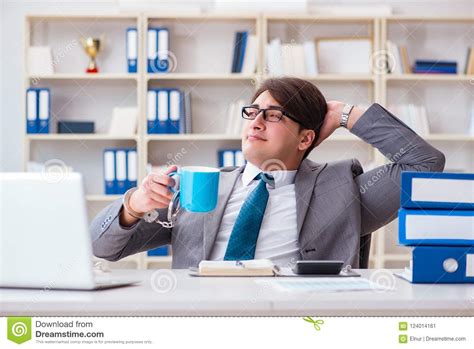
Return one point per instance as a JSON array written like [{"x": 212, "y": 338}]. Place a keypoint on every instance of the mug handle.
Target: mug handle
[{"x": 171, "y": 174}]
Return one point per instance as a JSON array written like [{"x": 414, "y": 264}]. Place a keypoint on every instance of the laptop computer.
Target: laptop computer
[{"x": 44, "y": 237}]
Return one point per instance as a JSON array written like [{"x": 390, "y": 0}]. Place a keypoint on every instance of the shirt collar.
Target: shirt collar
[{"x": 281, "y": 177}]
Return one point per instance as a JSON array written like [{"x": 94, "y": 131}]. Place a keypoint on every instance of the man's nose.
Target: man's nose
[{"x": 258, "y": 122}]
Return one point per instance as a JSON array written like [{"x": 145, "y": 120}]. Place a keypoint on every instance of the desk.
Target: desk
[{"x": 198, "y": 296}]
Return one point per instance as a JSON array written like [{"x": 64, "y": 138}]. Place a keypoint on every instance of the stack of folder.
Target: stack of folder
[
  {"x": 168, "y": 111},
  {"x": 437, "y": 218},
  {"x": 435, "y": 67},
  {"x": 38, "y": 110},
  {"x": 120, "y": 170},
  {"x": 158, "y": 50},
  {"x": 230, "y": 157}
]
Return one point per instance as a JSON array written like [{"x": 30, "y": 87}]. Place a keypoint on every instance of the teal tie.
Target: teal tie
[{"x": 243, "y": 239}]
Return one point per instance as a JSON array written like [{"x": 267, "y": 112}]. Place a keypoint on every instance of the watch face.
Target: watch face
[{"x": 347, "y": 109}]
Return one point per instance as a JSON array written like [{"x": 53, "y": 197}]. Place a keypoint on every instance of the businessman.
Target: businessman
[{"x": 280, "y": 205}]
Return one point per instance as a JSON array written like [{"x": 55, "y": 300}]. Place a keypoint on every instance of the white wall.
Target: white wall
[{"x": 11, "y": 35}]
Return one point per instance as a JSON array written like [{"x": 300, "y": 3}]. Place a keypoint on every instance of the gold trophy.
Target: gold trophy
[{"x": 92, "y": 48}]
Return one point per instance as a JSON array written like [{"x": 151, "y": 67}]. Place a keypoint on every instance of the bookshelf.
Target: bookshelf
[
  {"x": 202, "y": 54},
  {"x": 447, "y": 98}
]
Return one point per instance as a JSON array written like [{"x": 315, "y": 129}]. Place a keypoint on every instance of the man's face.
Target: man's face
[{"x": 268, "y": 141}]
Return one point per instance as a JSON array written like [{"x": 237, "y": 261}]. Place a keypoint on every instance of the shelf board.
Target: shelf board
[
  {"x": 102, "y": 197},
  {"x": 336, "y": 77},
  {"x": 449, "y": 137},
  {"x": 78, "y": 137},
  {"x": 158, "y": 258},
  {"x": 193, "y": 137},
  {"x": 198, "y": 76},
  {"x": 429, "y": 77},
  {"x": 409, "y": 18},
  {"x": 218, "y": 136},
  {"x": 315, "y": 18},
  {"x": 85, "y": 15},
  {"x": 397, "y": 257},
  {"x": 84, "y": 76}
]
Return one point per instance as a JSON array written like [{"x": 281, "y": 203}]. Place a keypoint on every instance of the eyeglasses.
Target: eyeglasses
[{"x": 272, "y": 114}]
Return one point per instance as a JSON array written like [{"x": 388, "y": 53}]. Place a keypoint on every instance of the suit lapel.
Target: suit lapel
[
  {"x": 304, "y": 187},
  {"x": 213, "y": 219}
]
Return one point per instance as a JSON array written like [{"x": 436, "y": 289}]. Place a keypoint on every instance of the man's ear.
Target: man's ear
[{"x": 308, "y": 137}]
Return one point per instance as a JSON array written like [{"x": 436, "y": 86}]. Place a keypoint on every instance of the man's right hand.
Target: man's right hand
[{"x": 153, "y": 193}]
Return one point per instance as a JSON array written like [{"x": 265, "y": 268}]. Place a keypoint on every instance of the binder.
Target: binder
[
  {"x": 151, "y": 114},
  {"x": 243, "y": 48},
  {"x": 187, "y": 112},
  {"x": 436, "y": 227},
  {"x": 162, "y": 65},
  {"x": 163, "y": 110},
  {"x": 132, "y": 166},
  {"x": 160, "y": 251},
  {"x": 132, "y": 50},
  {"x": 434, "y": 190},
  {"x": 239, "y": 158},
  {"x": 226, "y": 158},
  {"x": 31, "y": 111},
  {"x": 236, "y": 55},
  {"x": 121, "y": 170},
  {"x": 44, "y": 110},
  {"x": 442, "y": 264},
  {"x": 175, "y": 111},
  {"x": 109, "y": 171},
  {"x": 152, "y": 49}
]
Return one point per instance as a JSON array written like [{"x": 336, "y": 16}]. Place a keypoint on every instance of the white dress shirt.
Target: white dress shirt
[{"x": 278, "y": 237}]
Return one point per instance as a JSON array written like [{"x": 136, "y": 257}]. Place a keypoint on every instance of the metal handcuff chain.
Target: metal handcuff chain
[{"x": 173, "y": 209}]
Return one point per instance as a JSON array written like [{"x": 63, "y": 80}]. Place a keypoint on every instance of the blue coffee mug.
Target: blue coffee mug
[{"x": 198, "y": 188}]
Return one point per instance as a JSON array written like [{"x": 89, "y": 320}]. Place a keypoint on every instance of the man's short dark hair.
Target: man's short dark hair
[{"x": 301, "y": 99}]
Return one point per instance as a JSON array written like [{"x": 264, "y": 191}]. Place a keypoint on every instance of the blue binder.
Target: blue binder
[
  {"x": 31, "y": 111},
  {"x": 132, "y": 168},
  {"x": 43, "y": 111},
  {"x": 446, "y": 201},
  {"x": 175, "y": 111},
  {"x": 226, "y": 157},
  {"x": 109, "y": 171},
  {"x": 121, "y": 170},
  {"x": 162, "y": 122},
  {"x": 160, "y": 251},
  {"x": 453, "y": 228},
  {"x": 152, "y": 112},
  {"x": 152, "y": 49},
  {"x": 443, "y": 264},
  {"x": 132, "y": 50},
  {"x": 162, "y": 59},
  {"x": 236, "y": 56},
  {"x": 243, "y": 48}
]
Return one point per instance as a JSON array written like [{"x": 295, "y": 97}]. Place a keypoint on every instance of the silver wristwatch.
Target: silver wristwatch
[{"x": 345, "y": 115}]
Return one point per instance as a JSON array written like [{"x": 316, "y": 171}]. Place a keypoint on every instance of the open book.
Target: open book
[{"x": 253, "y": 267}]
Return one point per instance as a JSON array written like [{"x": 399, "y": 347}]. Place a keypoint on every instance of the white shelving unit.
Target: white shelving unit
[
  {"x": 194, "y": 41},
  {"x": 447, "y": 99}
]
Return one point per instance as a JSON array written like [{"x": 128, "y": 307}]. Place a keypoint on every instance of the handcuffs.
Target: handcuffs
[{"x": 153, "y": 216}]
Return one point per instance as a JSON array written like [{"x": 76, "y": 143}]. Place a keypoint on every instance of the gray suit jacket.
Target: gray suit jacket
[{"x": 337, "y": 204}]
